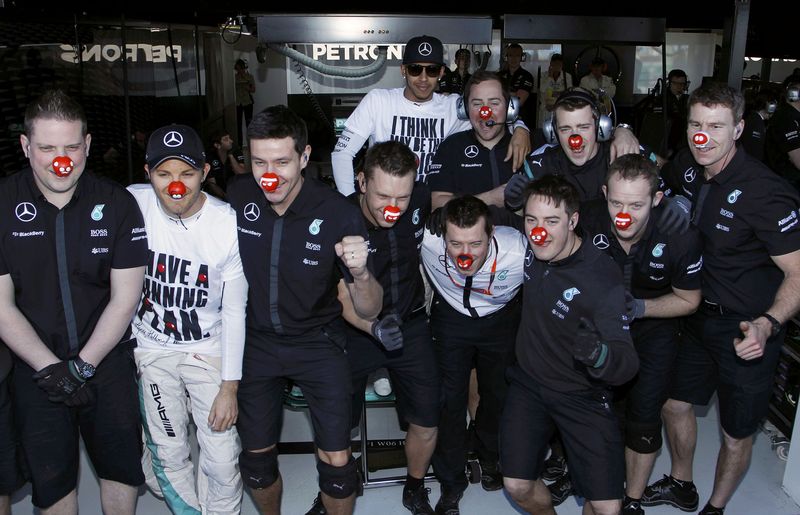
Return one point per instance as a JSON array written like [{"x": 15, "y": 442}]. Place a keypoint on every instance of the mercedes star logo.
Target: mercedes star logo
[
  {"x": 528, "y": 258},
  {"x": 600, "y": 241},
  {"x": 425, "y": 49},
  {"x": 689, "y": 174},
  {"x": 173, "y": 139},
  {"x": 471, "y": 151},
  {"x": 251, "y": 212},
  {"x": 25, "y": 211}
]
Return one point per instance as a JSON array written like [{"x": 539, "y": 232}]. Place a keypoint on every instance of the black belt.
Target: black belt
[{"x": 717, "y": 309}]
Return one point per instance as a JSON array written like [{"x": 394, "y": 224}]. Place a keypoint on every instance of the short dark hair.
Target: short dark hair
[
  {"x": 556, "y": 58},
  {"x": 513, "y": 45},
  {"x": 677, "y": 72},
  {"x": 633, "y": 166},
  {"x": 717, "y": 93},
  {"x": 573, "y": 99},
  {"x": 54, "y": 104},
  {"x": 482, "y": 76},
  {"x": 217, "y": 135},
  {"x": 467, "y": 211},
  {"x": 557, "y": 189},
  {"x": 278, "y": 122},
  {"x": 462, "y": 51},
  {"x": 598, "y": 61},
  {"x": 392, "y": 157},
  {"x": 241, "y": 63}
]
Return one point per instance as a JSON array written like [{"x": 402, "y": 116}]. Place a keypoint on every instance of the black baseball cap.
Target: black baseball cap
[
  {"x": 423, "y": 49},
  {"x": 175, "y": 142}
]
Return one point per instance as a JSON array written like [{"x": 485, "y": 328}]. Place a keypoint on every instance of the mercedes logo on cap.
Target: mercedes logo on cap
[
  {"x": 251, "y": 212},
  {"x": 600, "y": 241},
  {"x": 25, "y": 211},
  {"x": 471, "y": 151},
  {"x": 425, "y": 49},
  {"x": 173, "y": 139}
]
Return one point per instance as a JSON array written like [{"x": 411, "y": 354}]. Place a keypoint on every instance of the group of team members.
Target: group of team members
[{"x": 597, "y": 289}]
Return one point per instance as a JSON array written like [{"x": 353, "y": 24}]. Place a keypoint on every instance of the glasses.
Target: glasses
[{"x": 416, "y": 69}]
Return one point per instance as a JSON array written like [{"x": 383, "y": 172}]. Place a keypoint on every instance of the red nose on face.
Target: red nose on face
[
  {"x": 700, "y": 139},
  {"x": 622, "y": 220},
  {"x": 176, "y": 190},
  {"x": 269, "y": 181},
  {"x": 464, "y": 261},
  {"x": 485, "y": 112},
  {"x": 539, "y": 234},
  {"x": 391, "y": 213},
  {"x": 63, "y": 166},
  {"x": 575, "y": 142}
]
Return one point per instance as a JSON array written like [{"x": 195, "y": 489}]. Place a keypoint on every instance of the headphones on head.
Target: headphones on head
[
  {"x": 793, "y": 93},
  {"x": 505, "y": 52},
  {"x": 512, "y": 108},
  {"x": 771, "y": 107},
  {"x": 603, "y": 123}
]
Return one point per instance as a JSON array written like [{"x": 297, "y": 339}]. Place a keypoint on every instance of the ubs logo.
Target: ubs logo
[{"x": 25, "y": 211}]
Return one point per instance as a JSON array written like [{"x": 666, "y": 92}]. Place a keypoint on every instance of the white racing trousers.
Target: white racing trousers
[{"x": 174, "y": 386}]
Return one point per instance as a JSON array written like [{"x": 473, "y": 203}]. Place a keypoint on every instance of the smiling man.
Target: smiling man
[
  {"x": 71, "y": 268},
  {"x": 476, "y": 272},
  {"x": 190, "y": 338},
  {"x": 297, "y": 239},
  {"x": 572, "y": 344},
  {"x": 748, "y": 221}
]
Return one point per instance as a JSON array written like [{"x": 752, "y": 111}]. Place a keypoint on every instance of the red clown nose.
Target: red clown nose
[
  {"x": 176, "y": 190},
  {"x": 464, "y": 261},
  {"x": 622, "y": 220},
  {"x": 700, "y": 139},
  {"x": 269, "y": 182},
  {"x": 485, "y": 112},
  {"x": 575, "y": 142},
  {"x": 63, "y": 166},
  {"x": 391, "y": 213},
  {"x": 539, "y": 234}
]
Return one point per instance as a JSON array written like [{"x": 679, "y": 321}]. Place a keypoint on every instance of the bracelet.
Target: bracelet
[{"x": 624, "y": 126}]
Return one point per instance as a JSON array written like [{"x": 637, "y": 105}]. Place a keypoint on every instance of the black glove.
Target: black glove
[
  {"x": 634, "y": 307},
  {"x": 436, "y": 221},
  {"x": 675, "y": 215},
  {"x": 515, "y": 188},
  {"x": 82, "y": 396},
  {"x": 60, "y": 380},
  {"x": 589, "y": 349},
  {"x": 387, "y": 331}
]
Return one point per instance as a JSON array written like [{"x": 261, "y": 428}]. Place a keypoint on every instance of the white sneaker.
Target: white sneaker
[{"x": 381, "y": 384}]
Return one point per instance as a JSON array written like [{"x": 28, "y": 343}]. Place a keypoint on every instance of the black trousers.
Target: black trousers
[{"x": 461, "y": 343}]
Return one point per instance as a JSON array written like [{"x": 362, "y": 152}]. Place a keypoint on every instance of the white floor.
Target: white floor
[{"x": 760, "y": 493}]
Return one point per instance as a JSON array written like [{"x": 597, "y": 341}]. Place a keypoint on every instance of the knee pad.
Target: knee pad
[
  {"x": 644, "y": 438},
  {"x": 338, "y": 482},
  {"x": 259, "y": 469}
]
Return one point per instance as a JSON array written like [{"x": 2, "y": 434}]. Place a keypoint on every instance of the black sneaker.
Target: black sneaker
[
  {"x": 448, "y": 503},
  {"x": 491, "y": 478},
  {"x": 317, "y": 508},
  {"x": 554, "y": 468},
  {"x": 668, "y": 490},
  {"x": 417, "y": 501},
  {"x": 709, "y": 509},
  {"x": 631, "y": 507},
  {"x": 560, "y": 489}
]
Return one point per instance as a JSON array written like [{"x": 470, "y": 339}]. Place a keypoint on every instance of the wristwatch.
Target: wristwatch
[
  {"x": 85, "y": 370},
  {"x": 624, "y": 126},
  {"x": 776, "y": 326}
]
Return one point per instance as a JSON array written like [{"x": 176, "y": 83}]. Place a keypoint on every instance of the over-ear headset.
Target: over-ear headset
[
  {"x": 512, "y": 109},
  {"x": 771, "y": 107},
  {"x": 515, "y": 45},
  {"x": 603, "y": 122},
  {"x": 793, "y": 93}
]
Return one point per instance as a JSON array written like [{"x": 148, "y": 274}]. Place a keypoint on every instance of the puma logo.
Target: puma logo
[
  {"x": 648, "y": 439},
  {"x": 256, "y": 479},
  {"x": 537, "y": 163}
]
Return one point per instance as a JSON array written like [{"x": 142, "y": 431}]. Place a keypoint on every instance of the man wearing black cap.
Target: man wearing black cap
[
  {"x": 190, "y": 338},
  {"x": 414, "y": 115},
  {"x": 71, "y": 268}
]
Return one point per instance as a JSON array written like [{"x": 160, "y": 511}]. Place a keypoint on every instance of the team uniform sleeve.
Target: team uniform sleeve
[
  {"x": 776, "y": 220},
  {"x": 688, "y": 261},
  {"x": 622, "y": 362},
  {"x": 130, "y": 244},
  {"x": 358, "y": 129},
  {"x": 787, "y": 135},
  {"x": 442, "y": 170}
]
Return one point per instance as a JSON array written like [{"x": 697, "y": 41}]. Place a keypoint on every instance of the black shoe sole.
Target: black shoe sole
[{"x": 671, "y": 503}]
